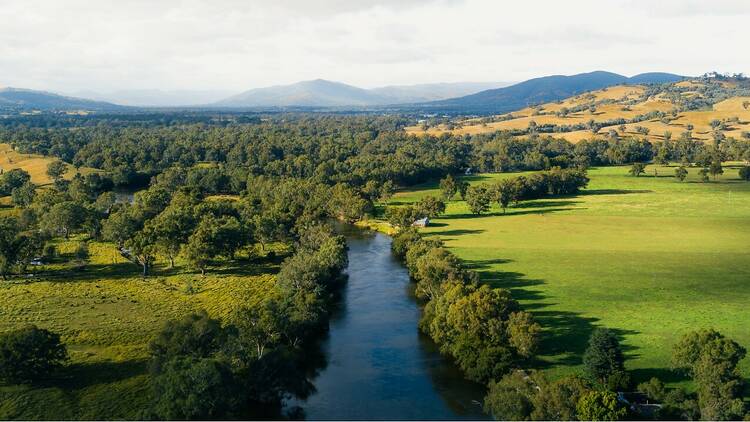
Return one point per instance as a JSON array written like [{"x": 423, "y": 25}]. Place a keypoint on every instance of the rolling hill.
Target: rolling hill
[
  {"x": 704, "y": 107},
  {"x": 27, "y": 99},
  {"x": 541, "y": 90}
]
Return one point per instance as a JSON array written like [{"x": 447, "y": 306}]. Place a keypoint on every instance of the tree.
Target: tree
[
  {"x": 463, "y": 187},
  {"x": 202, "y": 389},
  {"x": 703, "y": 174},
  {"x": 64, "y": 218},
  {"x": 744, "y": 173},
  {"x": 600, "y": 406},
  {"x": 17, "y": 248},
  {"x": 603, "y": 358},
  {"x": 201, "y": 246},
  {"x": 170, "y": 230},
  {"x": 637, "y": 169},
  {"x": 510, "y": 399},
  {"x": 402, "y": 216},
  {"x": 522, "y": 396},
  {"x": 680, "y": 173},
  {"x": 478, "y": 199},
  {"x": 505, "y": 192},
  {"x": 56, "y": 170},
  {"x": 195, "y": 335},
  {"x": 13, "y": 179},
  {"x": 431, "y": 207},
  {"x": 711, "y": 359},
  {"x": 30, "y": 354},
  {"x": 448, "y": 187},
  {"x": 23, "y": 195},
  {"x": 715, "y": 168}
]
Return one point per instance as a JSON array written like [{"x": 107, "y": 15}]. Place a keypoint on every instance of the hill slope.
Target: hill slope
[
  {"x": 706, "y": 108},
  {"x": 27, "y": 99},
  {"x": 541, "y": 90}
]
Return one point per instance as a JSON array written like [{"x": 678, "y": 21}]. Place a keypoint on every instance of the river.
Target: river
[{"x": 378, "y": 364}]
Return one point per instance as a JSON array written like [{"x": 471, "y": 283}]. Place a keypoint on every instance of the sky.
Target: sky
[{"x": 235, "y": 45}]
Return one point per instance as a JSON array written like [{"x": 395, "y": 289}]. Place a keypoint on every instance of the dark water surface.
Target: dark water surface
[{"x": 379, "y": 365}]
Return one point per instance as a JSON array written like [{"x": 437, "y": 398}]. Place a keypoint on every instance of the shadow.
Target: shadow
[
  {"x": 543, "y": 204},
  {"x": 666, "y": 375},
  {"x": 457, "y": 232},
  {"x": 82, "y": 375},
  {"x": 566, "y": 333},
  {"x": 612, "y": 191},
  {"x": 510, "y": 212}
]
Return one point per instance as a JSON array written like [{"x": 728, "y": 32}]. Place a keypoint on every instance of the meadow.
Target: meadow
[
  {"x": 648, "y": 256},
  {"x": 107, "y": 314}
]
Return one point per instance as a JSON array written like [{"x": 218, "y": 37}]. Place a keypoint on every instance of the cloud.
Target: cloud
[{"x": 236, "y": 44}]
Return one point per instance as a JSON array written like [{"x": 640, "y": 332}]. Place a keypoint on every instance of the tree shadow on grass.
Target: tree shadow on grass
[
  {"x": 566, "y": 333},
  {"x": 544, "y": 204},
  {"x": 457, "y": 232},
  {"x": 666, "y": 375},
  {"x": 510, "y": 213},
  {"x": 589, "y": 192},
  {"x": 86, "y": 374}
]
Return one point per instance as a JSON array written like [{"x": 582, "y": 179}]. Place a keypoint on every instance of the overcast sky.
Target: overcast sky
[{"x": 103, "y": 45}]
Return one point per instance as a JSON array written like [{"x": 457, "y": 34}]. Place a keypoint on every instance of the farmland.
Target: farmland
[
  {"x": 648, "y": 256},
  {"x": 107, "y": 314}
]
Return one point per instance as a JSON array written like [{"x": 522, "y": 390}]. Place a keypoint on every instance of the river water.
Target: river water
[{"x": 378, "y": 364}]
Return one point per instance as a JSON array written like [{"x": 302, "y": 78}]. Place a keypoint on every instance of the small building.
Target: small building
[{"x": 422, "y": 222}]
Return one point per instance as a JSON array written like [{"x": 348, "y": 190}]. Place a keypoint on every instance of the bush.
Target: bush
[
  {"x": 745, "y": 173},
  {"x": 30, "y": 354}
]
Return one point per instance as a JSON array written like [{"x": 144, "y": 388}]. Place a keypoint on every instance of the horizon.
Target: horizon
[{"x": 236, "y": 46}]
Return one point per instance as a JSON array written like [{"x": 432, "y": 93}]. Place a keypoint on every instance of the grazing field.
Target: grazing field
[
  {"x": 648, "y": 256},
  {"x": 107, "y": 314},
  {"x": 35, "y": 165}
]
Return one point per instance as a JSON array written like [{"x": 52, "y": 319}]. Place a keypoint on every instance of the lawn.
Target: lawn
[
  {"x": 107, "y": 314},
  {"x": 648, "y": 256}
]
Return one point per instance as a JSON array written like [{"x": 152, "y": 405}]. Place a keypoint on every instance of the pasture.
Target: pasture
[
  {"x": 648, "y": 256},
  {"x": 35, "y": 165},
  {"x": 107, "y": 314}
]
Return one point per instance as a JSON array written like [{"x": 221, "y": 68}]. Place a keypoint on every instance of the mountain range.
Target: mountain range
[
  {"x": 458, "y": 98},
  {"x": 323, "y": 93},
  {"x": 27, "y": 99},
  {"x": 542, "y": 90}
]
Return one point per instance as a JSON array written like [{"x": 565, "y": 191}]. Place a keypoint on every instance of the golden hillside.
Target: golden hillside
[{"x": 675, "y": 108}]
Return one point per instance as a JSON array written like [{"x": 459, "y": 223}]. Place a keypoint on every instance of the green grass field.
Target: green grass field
[
  {"x": 106, "y": 315},
  {"x": 649, "y": 256}
]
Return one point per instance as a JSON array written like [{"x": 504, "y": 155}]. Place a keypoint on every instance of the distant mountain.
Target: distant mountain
[
  {"x": 433, "y": 92},
  {"x": 541, "y": 90},
  {"x": 316, "y": 93},
  {"x": 655, "y": 78},
  {"x": 157, "y": 97},
  {"x": 323, "y": 93},
  {"x": 26, "y": 99}
]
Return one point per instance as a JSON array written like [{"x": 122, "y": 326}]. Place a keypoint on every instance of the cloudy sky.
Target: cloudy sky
[{"x": 76, "y": 45}]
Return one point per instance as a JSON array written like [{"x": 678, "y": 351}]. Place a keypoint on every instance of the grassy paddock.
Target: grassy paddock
[
  {"x": 648, "y": 256},
  {"x": 107, "y": 314}
]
